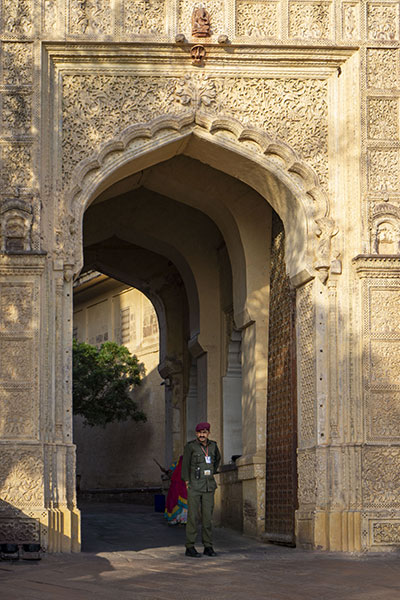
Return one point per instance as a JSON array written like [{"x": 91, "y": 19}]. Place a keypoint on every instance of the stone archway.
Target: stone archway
[{"x": 271, "y": 169}]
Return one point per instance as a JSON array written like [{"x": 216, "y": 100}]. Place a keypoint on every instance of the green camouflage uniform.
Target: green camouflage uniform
[{"x": 201, "y": 490}]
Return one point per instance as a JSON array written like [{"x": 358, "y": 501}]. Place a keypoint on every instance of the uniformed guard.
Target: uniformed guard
[{"x": 201, "y": 459}]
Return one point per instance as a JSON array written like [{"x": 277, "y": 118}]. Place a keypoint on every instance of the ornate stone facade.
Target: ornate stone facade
[{"x": 94, "y": 95}]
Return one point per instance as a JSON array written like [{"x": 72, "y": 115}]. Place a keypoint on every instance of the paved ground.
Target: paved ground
[{"x": 129, "y": 552}]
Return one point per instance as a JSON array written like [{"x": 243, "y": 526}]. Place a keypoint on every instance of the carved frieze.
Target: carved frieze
[
  {"x": 17, "y": 17},
  {"x": 380, "y": 477},
  {"x": 386, "y": 532},
  {"x": 258, "y": 19},
  {"x": 21, "y": 476},
  {"x": 216, "y": 14},
  {"x": 383, "y": 169},
  {"x": 17, "y": 62},
  {"x": 144, "y": 17},
  {"x": 382, "y": 68},
  {"x": 383, "y": 118},
  {"x": 383, "y": 21},
  {"x": 91, "y": 17},
  {"x": 310, "y": 20},
  {"x": 16, "y": 115},
  {"x": 97, "y": 107},
  {"x": 306, "y": 365}
]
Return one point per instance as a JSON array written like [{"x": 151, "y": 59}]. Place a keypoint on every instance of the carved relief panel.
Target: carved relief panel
[
  {"x": 310, "y": 20},
  {"x": 144, "y": 17},
  {"x": 258, "y": 18},
  {"x": 91, "y": 17},
  {"x": 383, "y": 21},
  {"x": 97, "y": 107},
  {"x": 17, "y": 18},
  {"x": 306, "y": 366}
]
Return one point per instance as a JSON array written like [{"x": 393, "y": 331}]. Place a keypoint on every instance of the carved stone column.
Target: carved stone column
[{"x": 379, "y": 278}]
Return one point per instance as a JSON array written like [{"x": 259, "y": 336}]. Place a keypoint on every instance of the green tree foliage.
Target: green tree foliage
[{"x": 102, "y": 381}]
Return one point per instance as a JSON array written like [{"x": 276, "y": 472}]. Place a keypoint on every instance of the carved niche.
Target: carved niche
[
  {"x": 385, "y": 228},
  {"x": 16, "y": 218}
]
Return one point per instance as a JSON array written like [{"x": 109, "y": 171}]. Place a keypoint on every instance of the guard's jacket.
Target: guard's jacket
[{"x": 194, "y": 459}]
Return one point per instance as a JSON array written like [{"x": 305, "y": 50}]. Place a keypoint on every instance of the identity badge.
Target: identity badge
[
  {"x": 208, "y": 460},
  {"x": 207, "y": 472}
]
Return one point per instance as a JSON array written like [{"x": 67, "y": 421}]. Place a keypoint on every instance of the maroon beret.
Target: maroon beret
[{"x": 201, "y": 426}]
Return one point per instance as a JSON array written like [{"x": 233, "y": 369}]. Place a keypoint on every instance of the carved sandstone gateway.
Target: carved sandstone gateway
[{"x": 261, "y": 191}]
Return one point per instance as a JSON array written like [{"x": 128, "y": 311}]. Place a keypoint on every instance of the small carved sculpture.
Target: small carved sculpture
[
  {"x": 198, "y": 54},
  {"x": 16, "y": 224},
  {"x": 387, "y": 238},
  {"x": 200, "y": 23}
]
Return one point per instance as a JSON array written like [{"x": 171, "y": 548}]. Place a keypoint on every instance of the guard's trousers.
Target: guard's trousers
[{"x": 199, "y": 504}]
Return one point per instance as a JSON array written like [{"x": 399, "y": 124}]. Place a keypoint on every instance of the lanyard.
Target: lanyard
[{"x": 204, "y": 452}]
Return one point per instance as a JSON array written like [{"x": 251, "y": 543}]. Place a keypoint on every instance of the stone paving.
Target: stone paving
[{"x": 130, "y": 552}]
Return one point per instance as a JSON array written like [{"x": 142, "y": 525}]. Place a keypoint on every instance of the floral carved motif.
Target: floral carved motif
[
  {"x": 215, "y": 10},
  {"x": 196, "y": 91},
  {"x": 90, "y": 17},
  {"x": 17, "y": 112},
  {"x": 17, "y": 17},
  {"x": 383, "y": 170},
  {"x": 306, "y": 466},
  {"x": 382, "y": 68},
  {"x": 309, "y": 20},
  {"x": 307, "y": 390},
  {"x": 18, "y": 413},
  {"x": 351, "y": 21},
  {"x": 380, "y": 477},
  {"x": 50, "y": 15},
  {"x": 21, "y": 477},
  {"x": 17, "y": 61},
  {"x": 17, "y": 166},
  {"x": 96, "y": 108},
  {"x": 384, "y": 316},
  {"x": 16, "y": 304},
  {"x": 17, "y": 361},
  {"x": 383, "y": 21},
  {"x": 257, "y": 19},
  {"x": 386, "y": 533},
  {"x": 383, "y": 118},
  {"x": 383, "y": 411},
  {"x": 385, "y": 362},
  {"x": 144, "y": 17}
]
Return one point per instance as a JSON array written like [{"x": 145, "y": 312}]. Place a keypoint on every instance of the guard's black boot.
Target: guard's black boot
[
  {"x": 192, "y": 552},
  {"x": 209, "y": 551}
]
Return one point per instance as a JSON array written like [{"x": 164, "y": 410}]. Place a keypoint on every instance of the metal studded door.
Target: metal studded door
[{"x": 281, "y": 471}]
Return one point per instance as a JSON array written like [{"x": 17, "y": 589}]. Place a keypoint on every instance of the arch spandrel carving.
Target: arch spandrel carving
[{"x": 271, "y": 167}]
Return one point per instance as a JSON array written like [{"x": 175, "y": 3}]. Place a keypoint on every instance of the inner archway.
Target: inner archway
[{"x": 198, "y": 241}]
